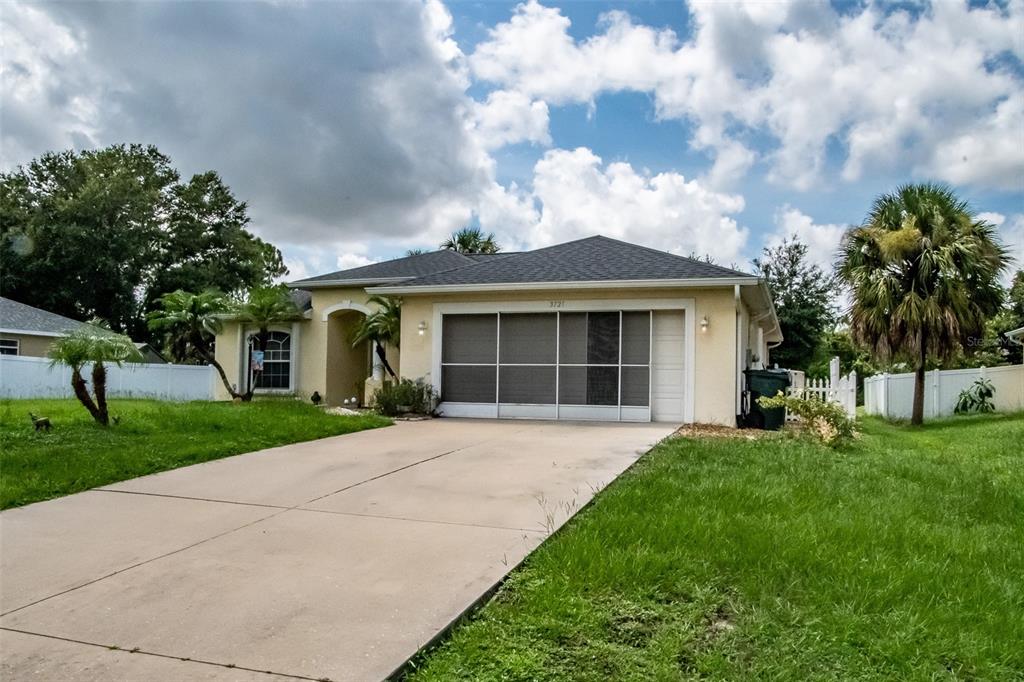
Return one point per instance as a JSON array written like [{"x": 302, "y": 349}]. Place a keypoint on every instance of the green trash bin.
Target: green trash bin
[{"x": 766, "y": 382}]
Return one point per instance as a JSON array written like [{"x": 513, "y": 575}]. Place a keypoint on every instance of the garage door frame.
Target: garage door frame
[{"x": 554, "y": 305}]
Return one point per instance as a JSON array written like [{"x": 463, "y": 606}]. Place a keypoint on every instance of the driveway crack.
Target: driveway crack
[{"x": 111, "y": 647}]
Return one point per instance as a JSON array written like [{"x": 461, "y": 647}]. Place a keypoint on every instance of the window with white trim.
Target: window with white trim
[
  {"x": 277, "y": 362},
  {"x": 10, "y": 347}
]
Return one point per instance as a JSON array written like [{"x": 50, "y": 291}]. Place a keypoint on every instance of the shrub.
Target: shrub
[
  {"x": 976, "y": 398},
  {"x": 403, "y": 397},
  {"x": 825, "y": 420}
]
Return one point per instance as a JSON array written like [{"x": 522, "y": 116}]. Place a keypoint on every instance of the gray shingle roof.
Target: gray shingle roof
[
  {"x": 301, "y": 298},
  {"x": 14, "y": 315},
  {"x": 408, "y": 267},
  {"x": 593, "y": 259}
]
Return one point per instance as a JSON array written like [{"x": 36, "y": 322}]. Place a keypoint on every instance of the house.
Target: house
[
  {"x": 25, "y": 330},
  {"x": 590, "y": 329}
]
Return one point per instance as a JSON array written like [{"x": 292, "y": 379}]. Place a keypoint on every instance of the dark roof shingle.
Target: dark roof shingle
[
  {"x": 22, "y": 317},
  {"x": 593, "y": 259},
  {"x": 407, "y": 267}
]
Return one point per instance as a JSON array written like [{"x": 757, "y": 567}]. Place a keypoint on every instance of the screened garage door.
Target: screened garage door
[{"x": 559, "y": 365}]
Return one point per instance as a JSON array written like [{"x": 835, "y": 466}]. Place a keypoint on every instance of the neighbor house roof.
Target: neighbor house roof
[
  {"x": 395, "y": 270},
  {"x": 19, "y": 318},
  {"x": 590, "y": 260}
]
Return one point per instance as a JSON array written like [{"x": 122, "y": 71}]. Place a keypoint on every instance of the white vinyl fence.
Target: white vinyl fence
[
  {"x": 27, "y": 377},
  {"x": 892, "y": 395},
  {"x": 837, "y": 389}
]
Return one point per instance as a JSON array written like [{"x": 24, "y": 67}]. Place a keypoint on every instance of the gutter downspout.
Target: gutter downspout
[{"x": 739, "y": 355}]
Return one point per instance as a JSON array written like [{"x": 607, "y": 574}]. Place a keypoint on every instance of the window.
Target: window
[
  {"x": 277, "y": 362},
  {"x": 9, "y": 346}
]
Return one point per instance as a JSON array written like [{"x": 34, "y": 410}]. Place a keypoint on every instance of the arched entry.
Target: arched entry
[{"x": 348, "y": 366}]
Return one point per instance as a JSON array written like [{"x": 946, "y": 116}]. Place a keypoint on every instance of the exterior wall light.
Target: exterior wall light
[
  {"x": 704, "y": 324},
  {"x": 421, "y": 329}
]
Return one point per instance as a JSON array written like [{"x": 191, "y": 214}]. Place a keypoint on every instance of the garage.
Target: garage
[{"x": 609, "y": 365}]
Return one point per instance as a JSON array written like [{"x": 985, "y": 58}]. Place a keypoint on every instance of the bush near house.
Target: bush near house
[
  {"x": 151, "y": 436},
  {"x": 395, "y": 398},
  {"x": 897, "y": 558}
]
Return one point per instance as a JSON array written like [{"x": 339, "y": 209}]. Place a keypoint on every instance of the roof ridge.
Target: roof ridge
[
  {"x": 327, "y": 276},
  {"x": 667, "y": 253}
]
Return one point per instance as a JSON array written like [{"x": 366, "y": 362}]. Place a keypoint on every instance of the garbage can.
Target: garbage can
[{"x": 766, "y": 382}]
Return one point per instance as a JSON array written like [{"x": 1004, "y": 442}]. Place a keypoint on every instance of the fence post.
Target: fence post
[
  {"x": 852, "y": 394},
  {"x": 936, "y": 393},
  {"x": 885, "y": 394}
]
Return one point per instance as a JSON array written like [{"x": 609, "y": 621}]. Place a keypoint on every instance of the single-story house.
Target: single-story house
[
  {"x": 590, "y": 329},
  {"x": 30, "y": 331},
  {"x": 26, "y": 330}
]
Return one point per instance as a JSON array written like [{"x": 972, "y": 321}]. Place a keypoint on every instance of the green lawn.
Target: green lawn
[
  {"x": 901, "y": 557},
  {"x": 151, "y": 436}
]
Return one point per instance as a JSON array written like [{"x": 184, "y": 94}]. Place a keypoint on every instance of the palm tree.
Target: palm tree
[
  {"x": 471, "y": 240},
  {"x": 190, "y": 323},
  {"x": 382, "y": 326},
  {"x": 924, "y": 272},
  {"x": 92, "y": 344},
  {"x": 263, "y": 308}
]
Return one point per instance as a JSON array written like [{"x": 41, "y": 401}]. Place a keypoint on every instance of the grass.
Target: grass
[
  {"x": 152, "y": 436},
  {"x": 899, "y": 557}
]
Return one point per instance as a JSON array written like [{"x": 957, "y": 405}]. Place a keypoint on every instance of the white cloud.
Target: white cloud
[
  {"x": 896, "y": 90},
  {"x": 1012, "y": 233},
  {"x": 511, "y": 117},
  {"x": 580, "y": 196},
  {"x": 822, "y": 240},
  {"x": 335, "y": 121}
]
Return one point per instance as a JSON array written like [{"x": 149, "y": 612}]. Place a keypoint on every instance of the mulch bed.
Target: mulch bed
[{"x": 719, "y": 431}]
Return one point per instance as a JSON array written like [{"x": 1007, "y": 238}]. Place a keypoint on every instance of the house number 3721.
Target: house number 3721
[{"x": 557, "y": 304}]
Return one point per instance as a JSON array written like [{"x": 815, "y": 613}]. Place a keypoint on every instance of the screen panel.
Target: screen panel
[
  {"x": 528, "y": 338},
  {"x": 469, "y": 338},
  {"x": 572, "y": 339},
  {"x": 527, "y": 384},
  {"x": 636, "y": 337},
  {"x": 469, "y": 383},
  {"x": 636, "y": 386},
  {"x": 603, "y": 339}
]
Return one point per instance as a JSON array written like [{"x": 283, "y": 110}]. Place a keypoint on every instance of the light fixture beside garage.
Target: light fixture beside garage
[
  {"x": 421, "y": 329},
  {"x": 704, "y": 324}
]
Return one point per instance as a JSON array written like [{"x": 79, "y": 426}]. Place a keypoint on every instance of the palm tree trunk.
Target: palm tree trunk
[
  {"x": 384, "y": 360},
  {"x": 917, "y": 415},
  {"x": 262, "y": 338},
  {"x": 99, "y": 387},
  {"x": 220, "y": 370},
  {"x": 82, "y": 393}
]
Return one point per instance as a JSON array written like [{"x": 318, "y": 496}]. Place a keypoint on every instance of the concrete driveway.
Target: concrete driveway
[{"x": 333, "y": 559}]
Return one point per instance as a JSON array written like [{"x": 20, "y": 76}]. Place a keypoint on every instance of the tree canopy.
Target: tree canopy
[
  {"x": 106, "y": 233},
  {"x": 804, "y": 297},
  {"x": 471, "y": 240},
  {"x": 923, "y": 272}
]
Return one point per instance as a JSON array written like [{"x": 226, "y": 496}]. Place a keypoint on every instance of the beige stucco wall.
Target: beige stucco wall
[
  {"x": 325, "y": 361},
  {"x": 32, "y": 346},
  {"x": 715, "y": 374}
]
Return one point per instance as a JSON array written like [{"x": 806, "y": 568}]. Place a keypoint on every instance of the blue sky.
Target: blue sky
[{"x": 358, "y": 130}]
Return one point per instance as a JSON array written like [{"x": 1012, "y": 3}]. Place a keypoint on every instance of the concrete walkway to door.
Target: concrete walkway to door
[{"x": 333, "y": 559}]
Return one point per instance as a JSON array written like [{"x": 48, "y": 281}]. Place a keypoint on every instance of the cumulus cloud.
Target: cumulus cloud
[
  {"x": 822, "y": 239},
  {"x": 334, "y": 122},
  {"x": 579, "y": 196},
  {"x": 1011, "y": 231},
  {"x": 927, "y": 91},
  {"x": 511, "y": 117}
]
